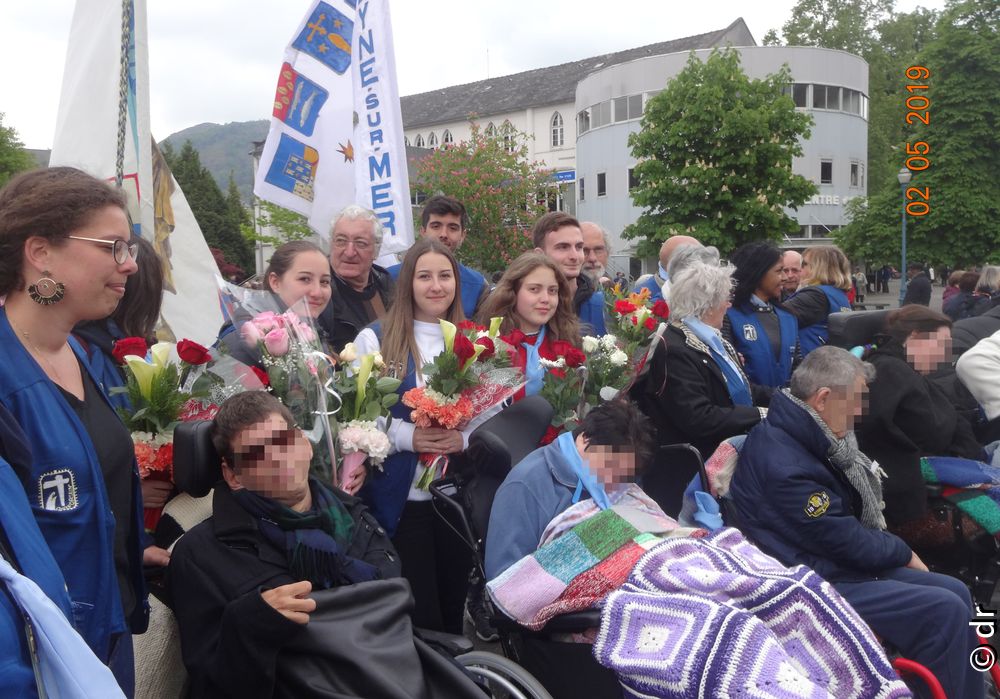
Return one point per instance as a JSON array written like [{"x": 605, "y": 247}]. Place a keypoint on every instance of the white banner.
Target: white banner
[
  {"x": 336, "y": 134},
  {"x": 87, "y": 138}
]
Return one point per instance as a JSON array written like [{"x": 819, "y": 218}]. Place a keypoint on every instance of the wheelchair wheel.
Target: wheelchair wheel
[{"x": 505, "y": 678}]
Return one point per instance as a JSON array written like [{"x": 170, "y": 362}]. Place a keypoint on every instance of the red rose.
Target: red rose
[
  {"x": 561, "y": 348},
  {"x": 129, "y": 345},
  {"x": 515, "y": 338},
  {"x": 575, "y": 358},
  {"x": 463, "y": 349},
  {"x": 661, "y": 309},
  {"x": 261, "y": 375},
  {"x": 490, "y": 350},
  {"x": 635, "y": 320},
  {"x": 624, "y": 307},
  {"x": 650, "y": 323},
  {"x": 192, "y": 352},
  {"x": 470, "y": 325}
]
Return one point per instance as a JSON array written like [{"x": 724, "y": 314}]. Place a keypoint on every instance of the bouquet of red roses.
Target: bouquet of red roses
[
  {"x": 461, "y": 383},
  {"x": 563, "y": 386},
  {"x": 635, "y": 318}
]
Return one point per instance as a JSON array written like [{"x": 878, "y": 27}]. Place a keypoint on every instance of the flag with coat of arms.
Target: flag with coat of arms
[{"x": 336, "y": 135}]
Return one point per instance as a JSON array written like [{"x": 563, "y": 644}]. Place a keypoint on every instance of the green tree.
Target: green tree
[
  {"x": 715, "y": 156},
  {"x": 217, "y": 217},
  {"x": 13, "y": 157},
  {"x": 962, "y": 225},
  {"x": 502, "y": 191},
  {"x": 286, "y": 225}
]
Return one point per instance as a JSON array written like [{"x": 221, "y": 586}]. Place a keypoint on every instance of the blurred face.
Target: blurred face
[
  {"x": 612, "y": 465},
  {"x": 352, "y": 251},
  {"x": 715, "y": 316},
  {"x": 565, "y": 247},
  {"x": 446, "y": 228},
  {"x": 840, "y": 408},
  {"x": 769, "y": 286},
  {"x": 791, "y": 270},
  {"x": 308, "y": 278},
  {"x": 595, "y": 252},
  {"x": 94, "y": 282},
  {"x": 433, "y": 287},
  {"x": 271, "y": 459},
  {"x": 926, "y": 351},
  {"x": 537, "y": 299}
]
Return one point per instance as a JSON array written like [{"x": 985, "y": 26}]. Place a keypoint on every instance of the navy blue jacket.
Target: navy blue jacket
[
  {"x": 793, "y": 503},
  {"x": 474, "y": 287},
  {"x": 751, "y": 340},
  {"x": 65, "y": 487}
]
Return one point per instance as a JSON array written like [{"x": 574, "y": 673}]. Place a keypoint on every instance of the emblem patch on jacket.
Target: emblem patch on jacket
[
  {"x": 57, "y": 490},
  {"x": 750, "y": 332},
  {"x": 817, "y": 504}
]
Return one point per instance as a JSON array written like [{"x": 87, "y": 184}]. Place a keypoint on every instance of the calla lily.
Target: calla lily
[
  {"x": 364, "y": 371},
  {"x": 448, "y": 330},
  {"x": 495, "y": 322},
  {"x": 144, "y": 373},
  {"x": 160, "y": 352}
]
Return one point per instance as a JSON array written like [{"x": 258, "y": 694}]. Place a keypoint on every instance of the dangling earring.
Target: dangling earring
[{"x": 47, "y": 291}]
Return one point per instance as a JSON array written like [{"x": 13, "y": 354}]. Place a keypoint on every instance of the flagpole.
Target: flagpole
[{"x": 123, "y": 90}]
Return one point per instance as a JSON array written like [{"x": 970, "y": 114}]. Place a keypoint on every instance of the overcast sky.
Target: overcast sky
[{"x": 217, "y": 60}]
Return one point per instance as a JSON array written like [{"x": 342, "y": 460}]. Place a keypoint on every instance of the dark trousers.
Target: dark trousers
[
  {"x": 437, "y": 564},
  {"x": 926, "y": 616},
  {"x": 121, "y": 662}
]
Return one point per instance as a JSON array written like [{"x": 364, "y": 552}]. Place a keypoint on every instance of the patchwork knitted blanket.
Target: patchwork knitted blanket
[
  {"x": 973, "y": 486},
  {"x": 575, "y": 571},
  {"x": 715, "y": 617}
]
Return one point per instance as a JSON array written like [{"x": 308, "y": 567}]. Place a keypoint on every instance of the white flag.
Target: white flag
[
  {"x": 336, "y": 134},
  {"x": 87, "y": 138}
]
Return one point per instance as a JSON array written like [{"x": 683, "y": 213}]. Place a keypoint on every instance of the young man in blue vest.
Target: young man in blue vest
[
  {"x": 444, "y": 219},
  {"x": 558, "y": 236}
]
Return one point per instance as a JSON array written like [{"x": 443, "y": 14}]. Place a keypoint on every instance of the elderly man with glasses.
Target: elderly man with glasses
[{"x": 361, "y": 289}]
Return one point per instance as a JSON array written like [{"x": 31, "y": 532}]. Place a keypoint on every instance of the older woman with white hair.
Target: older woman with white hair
[{"x": 693, "y": 388}]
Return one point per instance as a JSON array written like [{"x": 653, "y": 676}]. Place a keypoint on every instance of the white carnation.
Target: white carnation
[
  {"x": 618, "y": 358},
  {"x": 549, "y": 364},
  {"x": 609, "y": 342},
  {"x": 590, "y": 344}
]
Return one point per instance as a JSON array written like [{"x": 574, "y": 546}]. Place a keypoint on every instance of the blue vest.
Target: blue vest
[
  {"x": 592, "y": 315},
  {"x": 68, "y": 497},
  {"x": 817, "y": 334},
  {"x": 472, "y": 284},
  {"x": 751, "y": 340},
  {"x": 653, "y": 284},
  {"x": 385, "y": 491}
]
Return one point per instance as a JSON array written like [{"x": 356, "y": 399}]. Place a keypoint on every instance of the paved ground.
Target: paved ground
[{"x": 892, "y": 298}]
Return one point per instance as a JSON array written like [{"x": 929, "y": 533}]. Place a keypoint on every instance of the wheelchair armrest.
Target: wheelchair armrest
[
  {"x": 452, "y": 644},
  {"x": 573, "y": 622}
]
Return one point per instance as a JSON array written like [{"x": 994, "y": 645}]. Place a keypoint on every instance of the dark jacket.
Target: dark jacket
[
  {"x": 344, "y": 317},
  {"x": 231, "y": 639},
  {"x": 918, "y": 290},
  {"x": 684, "y": 394},
  {"x": 795, "y": 505},
  {"x": 909, "y": 416},
  {"x": 966, "y": 333}
]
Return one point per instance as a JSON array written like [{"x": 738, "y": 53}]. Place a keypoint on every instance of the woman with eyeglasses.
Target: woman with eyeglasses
[{"x": 65, "y": 256}]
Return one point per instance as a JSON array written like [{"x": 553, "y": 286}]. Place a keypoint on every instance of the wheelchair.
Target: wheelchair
[
  {"x": 464, "y": 499},
  {"x": 975, "y": 561},
  {"x": 197, "y": 469}
]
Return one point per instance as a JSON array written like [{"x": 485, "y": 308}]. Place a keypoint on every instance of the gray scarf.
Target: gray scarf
[{"x": 845, "y": 455}]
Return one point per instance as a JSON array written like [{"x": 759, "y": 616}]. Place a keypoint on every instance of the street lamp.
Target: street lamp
[{"x": 904, "y": 179}]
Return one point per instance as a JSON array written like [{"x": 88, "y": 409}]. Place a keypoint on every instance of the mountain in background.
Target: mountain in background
[{"x": 225, "y": 148}]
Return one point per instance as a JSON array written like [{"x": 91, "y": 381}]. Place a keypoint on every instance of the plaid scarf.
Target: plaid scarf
[
  {"x": 845, "y": 455},
  {"x": 315, "y": 540}
]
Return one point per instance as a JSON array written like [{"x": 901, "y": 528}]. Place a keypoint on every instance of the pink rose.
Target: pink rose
[
  {"x": 306, "y": 333},
  {"x": 276, "y": 342},
  {"x": 267, "y": 321},
  {"x": 251, "y": 334}
]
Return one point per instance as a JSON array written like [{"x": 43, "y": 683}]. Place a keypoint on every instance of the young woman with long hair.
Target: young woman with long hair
[{"x": 826, "y": 279}]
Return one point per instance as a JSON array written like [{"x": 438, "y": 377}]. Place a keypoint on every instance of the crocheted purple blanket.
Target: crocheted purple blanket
[{"x": 716, "y": 617}]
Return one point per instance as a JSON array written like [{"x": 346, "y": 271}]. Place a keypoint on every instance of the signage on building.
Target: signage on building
[
  {"x": 829, "y": 199},
  {"x": 566, "y": 176}
]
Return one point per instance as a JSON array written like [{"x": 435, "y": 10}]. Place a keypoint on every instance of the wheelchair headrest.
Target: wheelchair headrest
[
  {"x": 514, "y": 431},
  {"x": 197, "y": 466},
  {"x": 852, "y": 328}
]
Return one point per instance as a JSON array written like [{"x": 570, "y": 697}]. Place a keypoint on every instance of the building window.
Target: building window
[
  {"x": 446, "y": 138},
  {"x": 855, "y": 174},
  {"x": 491, "y": 130},
  {"x": 826, "y": 172},
  {"x": 826, "y": 97},
  {"x": 819, "y": 96},
  {"x": 633, "y": 180},
  {"x": 634, "y": 106},
  {"x": 583, "y": 191},
  {"x": 602, "y": 184},
  {"x": 432, "y": 140},
  {"x": 557, "y": 129},
  {"x": 418, "y": 141},
  {"x": 861, "y": 180},
  {"x": 800, "y": 94},
  {"x": 583, "y": 121},
  {"x": 508, "y": 136},
  {"x": 406, "y": 140},
  {"x": 621, "y": 109},
  {"x": 417, "y": 198}
]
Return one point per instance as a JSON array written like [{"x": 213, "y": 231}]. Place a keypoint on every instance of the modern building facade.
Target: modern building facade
[{"x": 578, "y": 117}]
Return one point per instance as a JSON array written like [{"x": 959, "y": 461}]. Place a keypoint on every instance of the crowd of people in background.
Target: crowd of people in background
[{"x": 744, "y": 356}]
